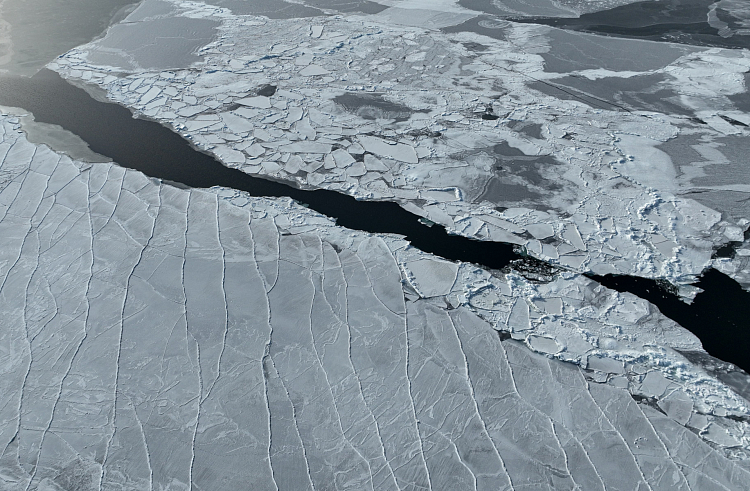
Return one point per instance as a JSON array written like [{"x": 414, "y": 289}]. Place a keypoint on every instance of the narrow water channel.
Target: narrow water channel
[{"x": 720, "y": 316}]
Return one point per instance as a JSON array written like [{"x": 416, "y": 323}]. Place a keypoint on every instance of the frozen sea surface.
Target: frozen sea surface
[
  {"x": 165, "y": 338},
  {"x": 34, "y": 32},
  {"x": 567, "y": 144},
  {"x": 161, "y": 337}
]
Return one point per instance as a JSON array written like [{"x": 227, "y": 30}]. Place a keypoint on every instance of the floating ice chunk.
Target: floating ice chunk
[
  {"x": 719, "y": 435},
  {"x": 440, "y": 195},
  {"x": 304, "y": 60},
  {"x": 305, "y": 129},
  {"x": 255, "y": 150},
  {"x": 357, "y": 169},
  {"x": 375, "y": 164},
  {"x": 260, "y": 101},
  {"x": 271, "y": 167},
  {"x": 519, "y": 316},
  {"x": 604, "y": 364},
  {"x": 553, "y": 305},
  {"x": 306, "y": 147},
  {"x": 654, "y": 384},
  {"x": 540, "y": 230},
  {"x": 262, "y": 135},
  {"x": 150, "y": 95},
  {"x": 573, "y": 260},
  {"x": 343, "y": 158},
  {"x": 313, "y": 70},
  {"x": 432, "y": 277},
  {"x": 355, "y": 148},
  {"x": 383, "y": 148},
  {"x": 190, "y": 111},
  {"x": 198, "y": 125},
  {"x": 678, "y": 406},
  {"x": 236, "y": 124},
  {"x": 316, "y": 31},
  {"x": 734, "y": 233},
  {"x": 246, "y": 112},
  {"x": 295, "y": 114},
  {"x": 229, "y": 155},
  {"x": 294, "y": 164},
  {"x": 571, "y": 234},
  {"x": 543, "y": 344}
]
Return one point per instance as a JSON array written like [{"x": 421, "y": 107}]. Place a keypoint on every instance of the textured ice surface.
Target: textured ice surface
[
  {"x": 553, "y": 140},
  {"x": 161, "y": 338}
]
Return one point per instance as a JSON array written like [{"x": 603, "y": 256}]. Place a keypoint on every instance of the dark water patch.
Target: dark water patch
[
  {"x": 479, "y": 25},
  {"x": 571, "y": 94},
  {"x": 638, "y": 93},
  {"x": 537, "y": 7},
  {"x": 498, "y": 192},
  {"x": 344, "y": 6},
  {"x": 681, "y": 149},
  {"x": 732, "y": 121},
  {"x": 161, "y": 43},
  {"x": 374, "y": 106},
  {"x": 734, "y": 170},
  {"x": 731, "y": 204},
  {"x": 517, "y": 178},
  {"x": 729, "y": 250},
  {"x": 575, "y": 51},
  {"x": 475, "y": 47},
  {"x": 719, "y": 316},
  {"x": 728, "y": 373},
  {"x": 267, "y": 90},
  {"x": 532, "y": 130},
  {"x": 675, "y": 21},
  {"x": 273, "y": 9},
  {"x": 509, "y": 160},
  {"x": 41, "y": 30},
  {"x": 504, "y": 150}
]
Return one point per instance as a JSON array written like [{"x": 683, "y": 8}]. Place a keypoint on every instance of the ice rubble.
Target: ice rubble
[
  {"x": 157, "y": 337},
  {"x": 478, "y": 151}
]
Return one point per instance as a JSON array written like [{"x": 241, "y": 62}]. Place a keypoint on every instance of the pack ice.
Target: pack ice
[
  {"x": 163, "y": 338},
  {"x": 467, "y": 122}
]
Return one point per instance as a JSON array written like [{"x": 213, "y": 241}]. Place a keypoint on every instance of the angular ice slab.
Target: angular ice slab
[{"x": 163, "y": 338}]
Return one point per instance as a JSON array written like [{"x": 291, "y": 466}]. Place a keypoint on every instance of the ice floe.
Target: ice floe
[
  {"x": 445, "y": 128},
  {"x": 157, "y": 335}
]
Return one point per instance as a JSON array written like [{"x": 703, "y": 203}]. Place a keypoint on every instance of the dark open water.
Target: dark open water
[
  {"x": 720, "y": 316},
  {"x": 677, "y": 21}
]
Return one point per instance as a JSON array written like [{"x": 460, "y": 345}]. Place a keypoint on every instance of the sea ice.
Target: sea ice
[
  {"x": 493, "y": 125},
  {"x": 160, "y": 337}
]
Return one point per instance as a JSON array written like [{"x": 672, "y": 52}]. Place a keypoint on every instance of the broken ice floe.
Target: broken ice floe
[
  {"x": 158, "y": 335},
  {"x": 609, "y": 199}
]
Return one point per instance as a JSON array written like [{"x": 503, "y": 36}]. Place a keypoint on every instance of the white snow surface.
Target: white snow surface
[{"x": 163, "y": 338}]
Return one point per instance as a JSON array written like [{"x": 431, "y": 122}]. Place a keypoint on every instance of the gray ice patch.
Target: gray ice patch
[
  {"x": 161, "y": 43},
  {"x": 273, "y": 9},
  {"x": 374, "y": 106},
  {"x": 640, "y": 93},
  {"x": 573, "y": 51},
  {"x": 150, "y": 8}
]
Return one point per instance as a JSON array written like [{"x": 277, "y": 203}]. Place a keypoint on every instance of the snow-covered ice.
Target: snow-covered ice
[
  {"x": 165, "y": 338},
  {"x": 158, "y": 337}
]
